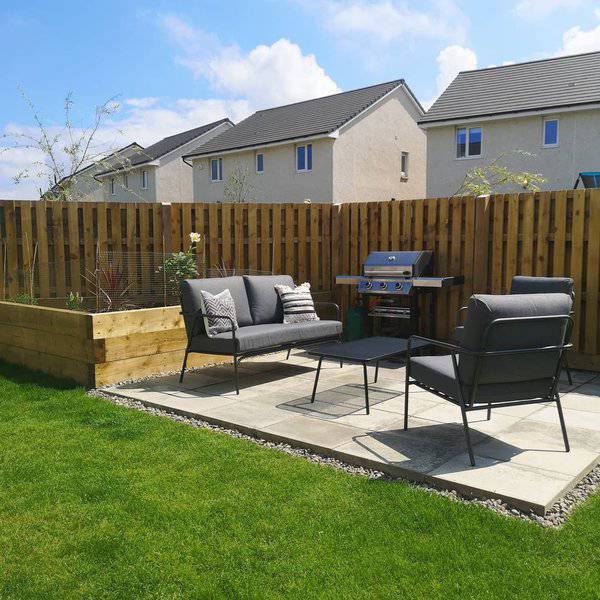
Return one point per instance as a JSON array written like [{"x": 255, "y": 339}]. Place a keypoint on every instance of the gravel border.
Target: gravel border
[{"x": 554, "y": 518}]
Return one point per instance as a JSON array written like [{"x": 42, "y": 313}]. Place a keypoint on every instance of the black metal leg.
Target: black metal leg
[
  {"x": 562, "y": 423},
  {"x": 185, "y": 357},
  {"x": 467, "y": 434},
  {"x": 316, "y": 380},
  {"x": 376, "y": 371},
  {"x": 406, "y": 384},
  {"x": 366, "y": 387},
  {"x": 489, "y": 412},
  {"x": 288, "y": 354},
  {"x": 341, "y": 363},
  {"x": 567, "y": 370},
  {"x": 235, "y": 374}
]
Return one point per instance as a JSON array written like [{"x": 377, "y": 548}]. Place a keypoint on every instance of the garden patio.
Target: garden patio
[{"x": 520, "y": 456}]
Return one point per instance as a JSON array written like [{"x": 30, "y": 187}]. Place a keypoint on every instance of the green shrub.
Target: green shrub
[{"x": 24, "y": 299}]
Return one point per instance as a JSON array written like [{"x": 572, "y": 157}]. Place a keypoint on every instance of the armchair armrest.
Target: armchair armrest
[
  {"x": 454, "y": 348},
  {"x": 333, "y": 305}
]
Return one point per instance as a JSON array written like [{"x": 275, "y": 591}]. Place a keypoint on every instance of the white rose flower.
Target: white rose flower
[{"x": 194, "y": 237}]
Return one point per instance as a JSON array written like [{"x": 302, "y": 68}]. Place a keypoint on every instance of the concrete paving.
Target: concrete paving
[{"x": 519, "y": 453}]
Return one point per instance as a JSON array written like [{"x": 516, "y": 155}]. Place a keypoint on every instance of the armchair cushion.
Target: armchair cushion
[
  {"x": 216, "y": 307},
  {"x": 267, "y": 335},
  {"x": 482, "y": 309},
  {"x": 438, "y": 372},
  {"x": 263, "y": 300}
]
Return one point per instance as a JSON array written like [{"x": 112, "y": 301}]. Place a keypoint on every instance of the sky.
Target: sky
[{"x": 165, "y": 66}]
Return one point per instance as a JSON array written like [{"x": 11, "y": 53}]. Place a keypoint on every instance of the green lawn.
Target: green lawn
[{"x": 100, "y": 501}]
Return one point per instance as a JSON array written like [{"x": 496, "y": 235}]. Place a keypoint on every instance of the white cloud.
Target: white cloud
[
  {"x": 391, "y": 20},
  {"x": 539, "y": 9},
  {"x": 266, "y": 76},
  {"x": 142, "y": 102},
  {"x": 576, "y": 40},
  {"x": 450, "y": 61}
]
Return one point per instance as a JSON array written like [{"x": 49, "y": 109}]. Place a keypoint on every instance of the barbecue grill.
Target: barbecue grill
[{"x": 388, "y": 277}]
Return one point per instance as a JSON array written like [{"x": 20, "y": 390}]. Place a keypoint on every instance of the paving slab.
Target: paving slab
[{"x": 519, "y": 452}]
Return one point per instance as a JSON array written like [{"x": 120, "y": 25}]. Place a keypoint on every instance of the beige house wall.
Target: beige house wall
[
  {"x": 367, "y": 154},
  {"x": 280, "y": 182},
  {"x": 578, "y": 150}
]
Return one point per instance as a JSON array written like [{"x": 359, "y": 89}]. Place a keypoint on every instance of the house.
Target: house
[
  {"x": 157, "y": 173},
  {"x": 355, "y": 146},
  {"x": 549, "y": 108},
  {"x": 83, "y": 186}
]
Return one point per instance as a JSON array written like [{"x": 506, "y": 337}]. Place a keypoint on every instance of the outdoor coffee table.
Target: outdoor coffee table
[{"x": 362, "y": 351}]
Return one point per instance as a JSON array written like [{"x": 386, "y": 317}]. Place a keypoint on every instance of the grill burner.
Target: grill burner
[{"x": 389, "y": 276}]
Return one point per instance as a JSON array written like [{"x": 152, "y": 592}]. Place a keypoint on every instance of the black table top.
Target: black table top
[{"x": 366, "y": 349}]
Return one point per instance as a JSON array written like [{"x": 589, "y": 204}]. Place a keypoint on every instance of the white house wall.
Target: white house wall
[
  {"x": 367, "y": 154},
  {"x": 578, "y": 150},
  {"x": 280, "y": 182}
]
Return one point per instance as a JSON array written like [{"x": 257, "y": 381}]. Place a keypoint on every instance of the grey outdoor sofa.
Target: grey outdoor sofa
[
  {"x": 259, "y": 313},
  {"x": 509, "y": 354}
]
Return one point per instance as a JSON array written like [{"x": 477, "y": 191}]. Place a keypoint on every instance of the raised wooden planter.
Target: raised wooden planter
[{"x": 95, "y": 349}]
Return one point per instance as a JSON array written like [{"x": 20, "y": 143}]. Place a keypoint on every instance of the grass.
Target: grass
[{"x": 100, "y": 501}]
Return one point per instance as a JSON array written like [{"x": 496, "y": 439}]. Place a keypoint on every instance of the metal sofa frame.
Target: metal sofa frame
[
  {"x": 468, "y": 404},
  {"x": 239, "y": 356}
]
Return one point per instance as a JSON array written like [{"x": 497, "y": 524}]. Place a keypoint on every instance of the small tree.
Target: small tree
[
  {"x": 65, "y": 151},
  {"x": 488, "y": 179},
  {"x": 237, "y": 186}
]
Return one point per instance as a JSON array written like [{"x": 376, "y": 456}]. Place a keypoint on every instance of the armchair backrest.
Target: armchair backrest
[
  {"x": 522, "y": 284},
  {"x": 191, "y": 298},
  {"x": 513, "y": 322}
]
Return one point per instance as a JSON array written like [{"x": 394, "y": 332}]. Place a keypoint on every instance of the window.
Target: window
[
  {"x": 260, "y": 163},
  {"x": 404, "y": 164},
  {"x": 126, "y": 181},
  {"x": 550, "y": 132},
  {"x": 468, "y": 142},
  {"x": 112, "y": 187},
  {"x": 304, "y": 158},
  {"x": 216, "y": 169},
  {"x": 144, "y": 180}
]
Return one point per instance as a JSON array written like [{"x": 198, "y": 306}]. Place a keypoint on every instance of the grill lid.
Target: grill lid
[{"x": 412, "y": 263}]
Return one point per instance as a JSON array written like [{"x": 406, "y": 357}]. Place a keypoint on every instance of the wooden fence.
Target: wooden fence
[{"x": 487, "y": 240}]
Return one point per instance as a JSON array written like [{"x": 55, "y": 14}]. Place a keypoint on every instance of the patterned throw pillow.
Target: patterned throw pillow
[
  {"x": 298, "y": 305},
  {"x": 220, "y": 304}
]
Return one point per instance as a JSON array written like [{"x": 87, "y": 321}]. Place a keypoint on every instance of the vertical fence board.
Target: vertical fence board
[
  {"x": 58, "y": 239},
  {"x": 577, "y": 258}
]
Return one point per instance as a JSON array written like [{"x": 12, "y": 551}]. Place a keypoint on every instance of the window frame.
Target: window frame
[
  {"x": 219, "y": 163},
  {"x": 467, "y": 129},
  {"x": 308, "y": 157},
  {"x": 126, "y": 180},
  {"x": 404, "y": 158},
  {"x": 144, "y": 179},
  {"x": 262, "y": 170},
  {"x": 544, "y": 121},
  {"x": 112, "y": 187}
]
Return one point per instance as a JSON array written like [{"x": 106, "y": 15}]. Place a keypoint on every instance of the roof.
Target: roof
[
  {"x": 560, "y": 82},
  {"x": 309, "y": 118},
  {"x": 168, "y": 144}
]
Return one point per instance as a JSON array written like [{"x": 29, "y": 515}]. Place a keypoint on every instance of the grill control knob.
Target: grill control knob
[
  {"x": 368, "y": 285},
  {"x": 383, "y": 285},
  {"x": 398, "y": 285}
]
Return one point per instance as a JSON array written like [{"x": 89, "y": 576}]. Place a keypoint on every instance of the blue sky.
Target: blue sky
[{"x": 176, "y": 65}]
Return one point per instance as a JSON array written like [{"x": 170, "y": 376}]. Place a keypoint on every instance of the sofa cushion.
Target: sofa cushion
[
  {"x": 191, "y": 297},
  {"x": 438, "y": 372},
  {"x": 482, "y": 309},
  {"x": 216, "y": 308},
  {"x": 264, "y": 303},
  {"x": 257, "y": 337}
]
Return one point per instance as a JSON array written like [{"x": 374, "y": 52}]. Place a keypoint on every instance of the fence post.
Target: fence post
[
  {"x": 481, "y": 236},
  {"x": 166, "y": 217}
]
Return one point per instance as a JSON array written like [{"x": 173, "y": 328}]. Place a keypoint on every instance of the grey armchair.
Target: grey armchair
[
  {"x": 523, "y": 284},
  {"x": 510, "y": 354}
]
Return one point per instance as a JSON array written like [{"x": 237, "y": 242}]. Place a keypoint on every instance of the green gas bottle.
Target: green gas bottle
[{"x": 356, "y": 322}]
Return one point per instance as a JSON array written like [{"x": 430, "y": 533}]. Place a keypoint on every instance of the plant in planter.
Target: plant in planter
[
  {"x": 74, "y": 301},
  {"x": 181, "y": 265},
  {"x": 24, "y": 299}
]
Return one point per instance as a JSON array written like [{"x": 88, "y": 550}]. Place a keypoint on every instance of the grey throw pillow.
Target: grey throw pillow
[
  {"x": 219, "y": 304},
  {"x": 298, "y": 305}
]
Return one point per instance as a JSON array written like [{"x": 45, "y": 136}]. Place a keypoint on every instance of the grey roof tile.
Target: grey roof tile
[
  {"x": 319, "y": 116},
  {"x": 536, "y": 85}
]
